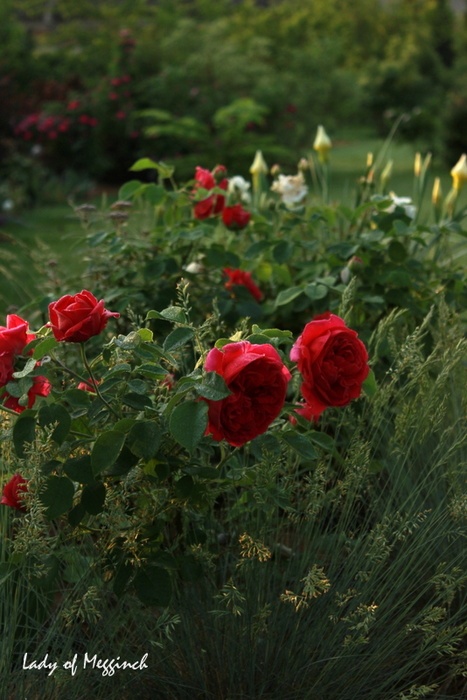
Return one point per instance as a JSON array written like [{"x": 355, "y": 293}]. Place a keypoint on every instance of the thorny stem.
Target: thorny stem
[{"x": 93, "y": 381}]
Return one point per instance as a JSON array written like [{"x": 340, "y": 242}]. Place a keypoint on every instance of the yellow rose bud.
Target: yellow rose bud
[
  {"x": 259, "y": 165},
  {"x": 386, "y": 174},
  {"x": 322, "y": 144},
  {"x": 258, "y": 171},
  {"x": 417, "y": 165},
  {"x": 459, "y": 172},
  {"x": 436, "y": 194}
]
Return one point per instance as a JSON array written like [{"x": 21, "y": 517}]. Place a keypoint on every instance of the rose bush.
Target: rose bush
[
  {"x": 76, "y": 318},
  {"x": 333, "y": 363},
  {"x": 257, "y": 379}
]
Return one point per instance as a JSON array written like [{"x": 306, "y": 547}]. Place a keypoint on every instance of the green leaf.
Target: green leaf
[
  {"x": 93, "y": 498},
  {"x": 145, "y": 334},
  {"x": 154, "y": 194},
  {"x": 76, "y": 515},
  {"x": 79, "y": 469},
  {"x": 57, "y": 496},
  {"x": 273, "y": 333},
  {"x": 213, "y": 387},
  {"x": 288, "y": 295},
  {"x": 122, "y": 577},
  {"x": 51, "y": 414},
  {"x": 24, "y": 432},
  {"x": 369, "y": 386},
  {"x": 184, "y": 486},
  {"x": 188, "y": 423},
  {"x": 165, "y": 171},
  {"x": 144, "y": 439},
  {"x": 174, "y": 313},
  {"x": 153, "y": 585},
  {"x": 315, "y": 291},
  {"x": 130, "y": 189},
  {"x": 144, "y": 164},
  {"x": 177, "y": 338},
  {"x": 300, "y": 443},
  {"x": 136, "y": 401},
  {"x": 44, "y": 347},
  {"x": 125, "y": 461},
  {"x": 106, "y": 450},
  {"x": 282, "y": 251},
  {"x": 322, "y": 439},
  {"x": 151, "y": 371},
  {"x": 27, "y": 369}
]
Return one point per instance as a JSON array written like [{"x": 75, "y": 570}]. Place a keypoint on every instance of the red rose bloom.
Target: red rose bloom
[
  {"x": 76, "y": 318},
  {"x": 14, "y": 336},
  {"x": 242, "y": 279},
  {"x": 13, "y": 339},
  {"x": 12, "y": 492},
  {"x": 212, "y": 205},
  {"x": 332, "y": 361},
  {"x": 235, "y": 217},
  {"x": 257, "y": 379}
]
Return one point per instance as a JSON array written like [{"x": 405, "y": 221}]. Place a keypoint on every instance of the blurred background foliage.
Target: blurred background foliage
[{"x": 90, "y": 87}]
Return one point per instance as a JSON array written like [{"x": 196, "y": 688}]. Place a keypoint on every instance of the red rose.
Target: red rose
[
  {"x": 236, "y": 216},
  {"x": 14, "y": 336},
  {"x": 332, "y": 361},
  {"x": 12, "y": 492},
  {"x": 305, "y": 411},
  {"x": 76, "y": 318},
  {"x": 88, "y": 386},
  {"x": 13, "y": 339},
  {"x": 257, "y": 379},
  {"x": 242, "y": 279},
  {"x": 6, "y": 368},
  {"x": 41, "y": 387},
  {"x": 212, "y": 205}
]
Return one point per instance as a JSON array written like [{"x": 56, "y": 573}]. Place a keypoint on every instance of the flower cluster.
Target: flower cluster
[
  {"x": 20, "y": 394},
  {"x": 332, "y": 362},
  {"x": 42, "y": 127},
  {"x": 234, "y": 216}
]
